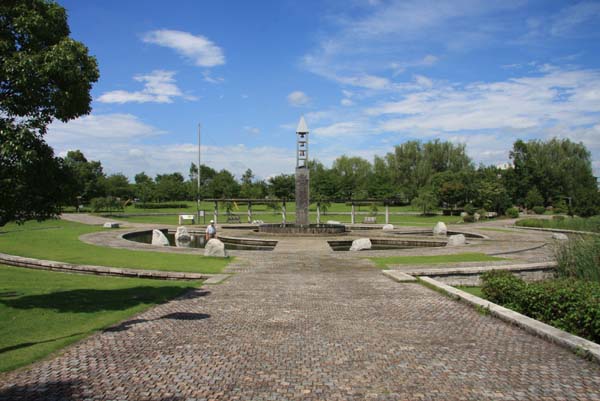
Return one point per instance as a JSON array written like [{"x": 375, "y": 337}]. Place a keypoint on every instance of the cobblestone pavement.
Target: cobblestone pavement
[{"x": 309, "y": 328}]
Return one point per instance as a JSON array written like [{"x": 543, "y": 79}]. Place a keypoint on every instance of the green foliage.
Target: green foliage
[
  {"x": 170, "y": 187},
  {"x": 33, "y": 183},
  {"x": 539, "y": 209},
  {"x": 469, "y": 218},
  {"x": 166, "y": 205},
  {"x": 534, "y": 198},
  {"x": 560, "y": 207},
  {"x": 512, "y": 212},
  {"x": 89, "y": 176},
  {"x": 570, "y": 223},
  {"x": 470, "y": 209},
  {"x": 44, "y": 75},
  {"x": 282, "y": 186},
  {"x": 118, "y": 185},
  {"x": 106, "y": 204},
  {"x": 579, "y": 258},
  {"x": 570, "y": 305},
  {"x": 49, "y": 310},
  {"x": 426, "y": 201},
  {"x": 501, "y": 286}
]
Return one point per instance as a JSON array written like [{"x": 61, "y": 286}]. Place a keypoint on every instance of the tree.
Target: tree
[
  {"x": 224, "y": 185},
  {"x": 89, "y": 176},
  {"x": 353, "y": 175},
  {"x": 534, "y": 198},
  {"x": 144, "y": 187},
  {"x": 282, "y": 186},
  {"x": 118, "y": 185},
  {"x": 170, "y": 187},
  {"x": 44, "y": 75},
  {"x": 426, "y": 200}
]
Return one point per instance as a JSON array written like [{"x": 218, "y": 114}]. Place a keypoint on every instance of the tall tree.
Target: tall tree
[
  {"x": 89, "y": 176},
  {"x": 44, "y": 75}
]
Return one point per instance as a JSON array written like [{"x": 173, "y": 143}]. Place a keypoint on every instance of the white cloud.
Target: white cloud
[
  {"x": 252, "y": 130},
  {"x": 197, "y": 48},
  {"x": 212, "y": 80},
  {"x": 159, "y": 87},
  {"x": 346, "y": 102},
  {"x": 122, "y": 143},
  {"x": 341, "y": 129},
  {"x": 298, "y": 98}
]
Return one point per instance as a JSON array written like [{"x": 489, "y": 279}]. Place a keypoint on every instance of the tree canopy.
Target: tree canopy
[{"x": 44, "y": 75}]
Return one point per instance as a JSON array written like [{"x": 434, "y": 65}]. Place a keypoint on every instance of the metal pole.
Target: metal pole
[
  {"x": 387, "y": 214},
  {"x": 198, "y": 176}
]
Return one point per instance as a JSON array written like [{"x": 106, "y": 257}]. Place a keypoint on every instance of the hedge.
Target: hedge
[
  {"x": 568, "y": 304},
  {"x": 166, "y": 205}
]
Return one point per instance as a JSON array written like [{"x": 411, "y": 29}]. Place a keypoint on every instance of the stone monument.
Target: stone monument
[{"x": 302, "y": 179}]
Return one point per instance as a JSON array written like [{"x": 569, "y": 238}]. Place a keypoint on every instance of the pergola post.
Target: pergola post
[
  {"x": 318, "y": 212},
  {"x": 283, "y": 216},
  {"x": 216, "y": 212},
  {"x": 353, "y": 215},
  {"x": 387, "y": 213}
]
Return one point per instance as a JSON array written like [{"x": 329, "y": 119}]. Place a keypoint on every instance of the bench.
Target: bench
[
  {"x": 370, "y": 220},
  {"x": 187, "y": 217},
  {"x": 233, "y": 218}
]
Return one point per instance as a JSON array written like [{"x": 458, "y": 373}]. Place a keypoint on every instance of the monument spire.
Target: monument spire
[{"x": 302, "y": 195}]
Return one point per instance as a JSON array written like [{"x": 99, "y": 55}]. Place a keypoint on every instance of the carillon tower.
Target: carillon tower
[{"x": 302, "y": 195}]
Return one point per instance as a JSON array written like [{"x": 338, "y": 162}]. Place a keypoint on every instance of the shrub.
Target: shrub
[
  {"x": 165, "y": 205},
  {"x": 482, "y": 213},
  {"x": 560, "y": 207},
  {"x": 469, "y": 208},
  {"x": 107, "y": 204},
  {"x": 468, "y": 218},
  {"x": 571, "y": 305},
  {"x": 539, "y": 209},
  {"x": 579, "y": 258},
  {"x": 501, "y": 286},
  {"x": 558, "y": 218},
  {"x": 512, "y": 212},
  {"x": 575, "y": 223}
]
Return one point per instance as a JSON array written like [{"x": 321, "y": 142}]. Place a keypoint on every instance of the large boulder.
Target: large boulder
[
  {"x": 388, "y": 227},
  {"x": 214, "y": 247},
  {"x": 159, "y": 239},
  {"x": 560, "y": 237},
  {"x": 333, "y": 222},
  {"x": 476, "y": 216},
  {"x": 440, "y": 229},
  {"x": 361, "y": 244},
  {"x": 111, "y": 224},
  {"x": 457, "y": 240},
  {"x": 182, "y": 234}
]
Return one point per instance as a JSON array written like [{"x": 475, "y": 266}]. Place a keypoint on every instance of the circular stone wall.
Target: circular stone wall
[{"x": 311, "y": 229}]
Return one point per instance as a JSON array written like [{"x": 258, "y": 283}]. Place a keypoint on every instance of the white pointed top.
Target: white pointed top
[{"x": 302, "y": 127}]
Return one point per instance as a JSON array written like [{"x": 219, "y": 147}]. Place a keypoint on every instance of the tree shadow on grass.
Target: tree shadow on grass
[
  {"x": 29, "y": 344},
  {"x": 92, "y": 300}
]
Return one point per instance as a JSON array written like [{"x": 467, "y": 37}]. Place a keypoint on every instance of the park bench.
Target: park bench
[
  {"x": 370, "y": 220},
  {"x": 233, "y": 218},
  {"x": 187, "y": 217}
]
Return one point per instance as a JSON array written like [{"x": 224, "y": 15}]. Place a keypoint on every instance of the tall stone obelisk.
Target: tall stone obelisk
[{"x": 302, "y": 179}]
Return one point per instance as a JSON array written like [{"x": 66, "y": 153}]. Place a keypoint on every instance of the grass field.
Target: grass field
[
  {"x": 383, "y": 262},
  {"x": 567, "y": 223},
  {"x": 471, "y": 290},
  {"x": 42, "y": 312},
  {"x": 58, "y": 240}
]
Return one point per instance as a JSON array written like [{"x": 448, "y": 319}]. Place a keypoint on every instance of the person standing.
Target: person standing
[{"x": 211, "y": 231}]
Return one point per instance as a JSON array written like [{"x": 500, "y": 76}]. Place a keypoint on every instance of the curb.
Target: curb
[
  {"x": 399, "y": 276},
  {"x": 572, "y": 342},
  {"x": 31, "y": 263},
  {"x": 472, "y": 270}
]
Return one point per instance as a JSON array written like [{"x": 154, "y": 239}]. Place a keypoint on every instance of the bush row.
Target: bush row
[
  {"x": 568, "y": 304},
  {"x": 107, "y": 204},
  {"x": 575, "y": 223},
  {"x": 165, "y": 205},
  {"x": 579, "y": 258}
]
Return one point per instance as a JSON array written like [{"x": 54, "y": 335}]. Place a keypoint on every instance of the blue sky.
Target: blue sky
[{"x": 366, "y": 74}]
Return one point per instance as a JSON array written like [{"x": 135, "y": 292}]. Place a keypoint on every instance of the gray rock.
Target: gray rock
[
  {"x": 388, "y": 227},
  {"x": 361, "y": 244},
  {"x": 457, "y": 240},
  {"x": 477, "y": 216},
  {"x": 159, "y": 239},
  {"x": 560, "y": 237},
  {"x": 182, "y": 234},
  {"x": 463, "y": 214},
  {"x": 440, "y": 229},
  {"x": 111, "y": 224},
  {"x": 214, "y": 247},
  {"x": 333, "y": 222}
]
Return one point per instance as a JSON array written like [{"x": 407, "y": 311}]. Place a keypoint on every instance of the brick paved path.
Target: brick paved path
[{"x": 310, "y": 327}]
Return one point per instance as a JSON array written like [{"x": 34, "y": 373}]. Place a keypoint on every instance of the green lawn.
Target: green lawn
[
  {"x": 471, "y": 290},
  {"x": 42, "y": 311},
  {"x": 383, "y": 262},
  {"x": 58, "y": 240}
]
